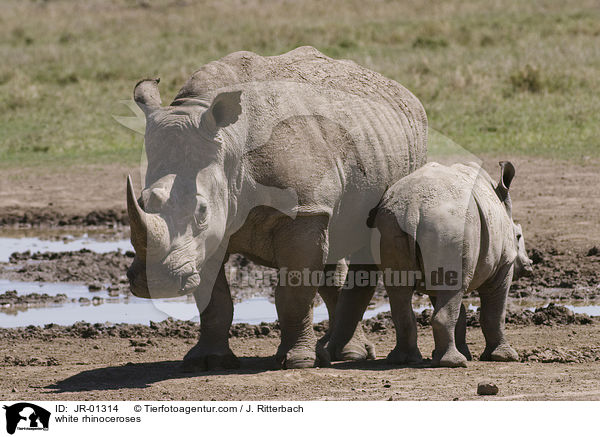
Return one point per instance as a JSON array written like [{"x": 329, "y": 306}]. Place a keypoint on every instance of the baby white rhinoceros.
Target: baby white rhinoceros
[{"x": 451, "y": 230}]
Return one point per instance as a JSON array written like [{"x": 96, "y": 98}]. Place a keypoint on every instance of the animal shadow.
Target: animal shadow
[
  {"x": 143, "y": 375},
  {"x": 379, "y": 364}
]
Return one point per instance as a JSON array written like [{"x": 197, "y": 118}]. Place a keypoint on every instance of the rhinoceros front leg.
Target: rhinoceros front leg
[
  {"x": 358, "y": 348},
  {"x": 300, "y": 250},
  {"x": 212, "y": 350},
  {"x": 492, "y": 318}
]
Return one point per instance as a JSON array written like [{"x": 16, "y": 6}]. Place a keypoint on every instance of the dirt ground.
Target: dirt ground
[
  {"x": 118, "y": 369},
  {"x": 557, "y": 203}
]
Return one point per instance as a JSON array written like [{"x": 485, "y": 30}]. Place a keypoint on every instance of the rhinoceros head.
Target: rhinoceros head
[
  {"x": 180, "y": 218},
  {"x": 522, "y": 264}
]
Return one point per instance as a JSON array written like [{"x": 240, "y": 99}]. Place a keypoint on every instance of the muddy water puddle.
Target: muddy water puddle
[
  {"x": 98, "y": 307},
  {"x": 71, "y": 290}
]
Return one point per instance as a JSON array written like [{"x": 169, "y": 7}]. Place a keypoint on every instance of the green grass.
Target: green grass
[{"x": 511, "y": 78}]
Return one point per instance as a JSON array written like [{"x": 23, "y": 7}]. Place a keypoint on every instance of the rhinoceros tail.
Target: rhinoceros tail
[
  {"x": 373, "y": 211},
  {"x": 412, "y": 245},
  {"x": 372, "y": 217}
]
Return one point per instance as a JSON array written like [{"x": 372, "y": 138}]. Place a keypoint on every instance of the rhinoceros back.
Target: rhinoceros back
[{"x": 307, "y": 67}]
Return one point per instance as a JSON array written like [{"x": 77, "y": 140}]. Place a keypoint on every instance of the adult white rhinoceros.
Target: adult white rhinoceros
[{"x": 278, "y": 158}]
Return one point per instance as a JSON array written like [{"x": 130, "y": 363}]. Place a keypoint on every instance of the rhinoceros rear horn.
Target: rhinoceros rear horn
[{"x": 146, "y": 95}]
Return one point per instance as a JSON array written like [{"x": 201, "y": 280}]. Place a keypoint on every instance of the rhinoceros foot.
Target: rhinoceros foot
[
  {"x": 450, "y": 358},
  {"x": 302, "y": 357},
  {"x": 399, "y": 356},
  {"x": 503, "y": 352},
  {"x": 201, "y": 358},
  {"x": 357, "y": 349}
]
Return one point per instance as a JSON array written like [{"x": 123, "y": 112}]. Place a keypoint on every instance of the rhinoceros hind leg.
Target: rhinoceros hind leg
[
  {"x": 348, "y": 340},
  {"x": 358, "y": 347},
  {"x": 302, "y": 358},
  {"x": 200, "y": 358},
  {"x": 503, "y": 352},
  {"x": 492, "y": 318},
  {"x": 399, "y": 356},
  {"x": 460, "y": 334},
  {"x": 450, "y": 358},
  {"x": 406, "y": 350},
  {"x": 445, "y": 316}
]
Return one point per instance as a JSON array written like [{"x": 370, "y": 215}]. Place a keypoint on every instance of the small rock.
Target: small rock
[
  {"x": 487, "y": 388},
  {"x": 593, "y": 251},
  {"x": 14, "y": 390}
]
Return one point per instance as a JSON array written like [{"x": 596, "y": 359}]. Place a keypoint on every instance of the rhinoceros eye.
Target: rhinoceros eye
[{"x": 200, "y": 214}]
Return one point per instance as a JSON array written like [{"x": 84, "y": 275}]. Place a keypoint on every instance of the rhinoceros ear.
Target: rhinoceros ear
[
  {"x": 146, "y": 95},
  {"x": 507, "y": 173},
  {"x": 224, "y": 110}
]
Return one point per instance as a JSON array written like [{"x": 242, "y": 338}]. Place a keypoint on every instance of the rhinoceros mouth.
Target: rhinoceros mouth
[{"x": 161, "y": 286}]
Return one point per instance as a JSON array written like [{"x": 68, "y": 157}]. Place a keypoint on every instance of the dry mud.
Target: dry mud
[
  {"x": 50, "y": 218},
  {"x": 559, "y": 362}
]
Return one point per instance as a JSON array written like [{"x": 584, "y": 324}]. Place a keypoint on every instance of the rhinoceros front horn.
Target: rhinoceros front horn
[
  {"x": 144, "y": 226},
  {"x": 146, "y": 95},
  {"x": 137, "y": 221}
]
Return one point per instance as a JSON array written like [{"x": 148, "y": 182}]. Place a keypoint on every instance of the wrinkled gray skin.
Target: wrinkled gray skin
[
  {"x": 280, "y": 159},
  {"x": 461, "y": 221}
]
